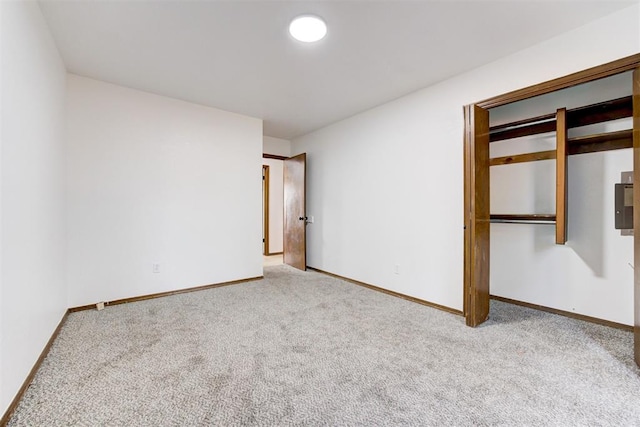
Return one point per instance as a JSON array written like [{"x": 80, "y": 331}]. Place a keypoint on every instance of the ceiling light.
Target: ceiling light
[{"x": 308, "y": 28}]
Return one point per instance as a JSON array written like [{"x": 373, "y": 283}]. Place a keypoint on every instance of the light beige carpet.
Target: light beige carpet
[
  {"x": 272, "y": 260},
  {"x": 305, "y": 349}
]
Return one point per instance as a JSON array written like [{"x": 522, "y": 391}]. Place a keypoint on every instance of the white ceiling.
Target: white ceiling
[{"x": 238, "y": 56}]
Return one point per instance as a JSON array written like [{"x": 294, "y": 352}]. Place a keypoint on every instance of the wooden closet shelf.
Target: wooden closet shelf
[
  {"x": 523, "y": 219},
  {"x": 601, "y": 142},
  {"x": 588, "y": 115},
  {"x": 601, "y": 112},
  {"x": 577, "y": 145}
]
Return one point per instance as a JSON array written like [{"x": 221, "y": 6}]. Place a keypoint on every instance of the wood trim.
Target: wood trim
[
  {"x": 561, "y": 176},
  {"x": 595, "y": 73},
  {"x": 388, "y": 292},
  {"x": 27, "y": 382},
  {"x": 521, "y": 158},
  {"x": 466, "y": 252},
  {"x": 477, "y": 217},
  {"x": 275, "y": 253},
  {"x": 273, "y": 156},
  {"x": 166, "y": 294},
  {"x": 636, "y": 214},
  {"x": 265, "y": 209},
  {"x": 565, "y": 313}
]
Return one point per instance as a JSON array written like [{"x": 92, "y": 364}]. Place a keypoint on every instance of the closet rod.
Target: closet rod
[
  {"x": 523, "y": 219},
  {"x": 536, "y": 128},
  {"x": 530, "y": 120}
]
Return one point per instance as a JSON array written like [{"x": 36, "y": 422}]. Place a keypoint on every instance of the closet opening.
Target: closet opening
[{"x": 535, "y": 147}]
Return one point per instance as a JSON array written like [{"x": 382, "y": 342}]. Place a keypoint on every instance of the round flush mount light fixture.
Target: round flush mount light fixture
[{"x": 308, "y": 28}]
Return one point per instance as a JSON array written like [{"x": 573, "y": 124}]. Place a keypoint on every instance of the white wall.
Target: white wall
[
  {"x": 156, "y": 180},
  {"x": 276, "y": 146},
  {"x": 276, "y": 204},
  {"x": 386, "y": 186},
  {"x": 34, "y": 294}
]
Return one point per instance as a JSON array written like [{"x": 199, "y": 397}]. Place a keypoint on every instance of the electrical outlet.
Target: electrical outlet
[
  {"x": 156, "y": 267},
  {"x": 396, "y": 269}
]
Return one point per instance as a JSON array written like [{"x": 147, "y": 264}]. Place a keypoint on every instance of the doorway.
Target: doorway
[
  {"x": 272, "y": 206},
  {"x": 284, "y": 210}
]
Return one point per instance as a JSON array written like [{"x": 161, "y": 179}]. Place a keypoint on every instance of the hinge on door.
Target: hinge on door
[{"x": 262, "y": 240}]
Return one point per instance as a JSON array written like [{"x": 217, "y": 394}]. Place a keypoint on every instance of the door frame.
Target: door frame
[
  {"x": 274, "y": 157},
  {"x": 474, "y": 169},
  {"x": 636, "y": 213},
  {"x": 476, "y": 215},
  {"x": 265, "y": 210}
]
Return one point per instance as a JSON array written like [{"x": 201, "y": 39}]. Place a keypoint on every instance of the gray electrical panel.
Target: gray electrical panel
[{"x": 624, "y": 204}]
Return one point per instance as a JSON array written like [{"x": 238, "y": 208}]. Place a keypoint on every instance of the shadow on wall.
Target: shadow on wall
[
  {"x": 586, "y": 182},
  {"x": 544, "y": 190}
]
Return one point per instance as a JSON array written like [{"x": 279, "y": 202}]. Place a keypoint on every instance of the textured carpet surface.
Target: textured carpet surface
[{"x": 306, "y": 349}]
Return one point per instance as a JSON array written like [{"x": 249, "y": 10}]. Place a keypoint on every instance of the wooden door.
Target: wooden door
[
  {"x": 476, "y": 215},
  {"x": 295, "y": 240},
  {"x": 636, "y": 213}
]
